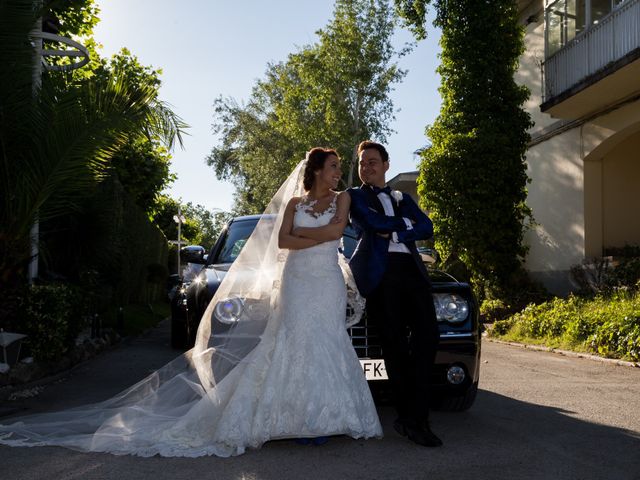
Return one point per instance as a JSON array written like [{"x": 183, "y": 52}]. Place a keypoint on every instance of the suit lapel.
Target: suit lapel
[
  {"x": 372, "y": 199},
  {"x": 396, "y": 207}
]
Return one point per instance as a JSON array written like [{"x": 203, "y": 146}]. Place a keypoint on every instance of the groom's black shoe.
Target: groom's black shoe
[{"x": 419, "y": 433}]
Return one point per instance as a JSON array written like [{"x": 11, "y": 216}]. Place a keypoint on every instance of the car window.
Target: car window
[
  {"x": 238, "y": 233},
  {"x": 235, "y": 238}
]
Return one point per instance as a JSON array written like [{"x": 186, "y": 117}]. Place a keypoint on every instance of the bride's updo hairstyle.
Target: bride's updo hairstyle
[{"x": 315, "y": 161}]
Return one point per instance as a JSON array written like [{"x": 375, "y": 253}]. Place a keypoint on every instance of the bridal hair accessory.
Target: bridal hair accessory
[{"x": 397, "y": 196}]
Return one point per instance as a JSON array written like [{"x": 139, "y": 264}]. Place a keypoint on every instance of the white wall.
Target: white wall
[{"x": 557, "y": 200}]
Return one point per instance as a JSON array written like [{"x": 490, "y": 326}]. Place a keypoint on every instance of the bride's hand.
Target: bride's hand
[{"x": 335, "y": 219}]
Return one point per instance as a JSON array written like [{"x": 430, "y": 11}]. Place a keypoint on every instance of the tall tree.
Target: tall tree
[
  {"x": 473, "y": 177},
  {"x": 142, "y": 162},
  {"x": 334, "y": 93},
  {"x": 56, "y": 143}
]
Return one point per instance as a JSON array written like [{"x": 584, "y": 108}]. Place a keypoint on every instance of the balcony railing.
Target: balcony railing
[{"x": 610, "y": 40}]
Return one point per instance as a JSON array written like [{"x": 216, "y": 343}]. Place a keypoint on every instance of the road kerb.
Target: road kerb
[{"x": 568, "y": 353}]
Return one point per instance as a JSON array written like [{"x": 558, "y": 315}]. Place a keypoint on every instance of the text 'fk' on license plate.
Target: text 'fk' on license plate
[{"x": 374, "y": 369}]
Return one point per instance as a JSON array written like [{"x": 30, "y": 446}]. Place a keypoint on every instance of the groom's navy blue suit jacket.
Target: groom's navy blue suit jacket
[{"x": 369, "y": 261}]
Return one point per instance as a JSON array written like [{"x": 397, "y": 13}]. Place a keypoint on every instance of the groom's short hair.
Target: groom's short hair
[{"x": 367, "y": 144}]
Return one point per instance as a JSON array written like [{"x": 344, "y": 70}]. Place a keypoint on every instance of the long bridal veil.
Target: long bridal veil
[{"x": 162, "y": 413}]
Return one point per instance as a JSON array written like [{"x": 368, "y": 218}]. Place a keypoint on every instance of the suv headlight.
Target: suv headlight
[
  {"x": 229, "y": 310},
  {"x": 450, "y": 307}
]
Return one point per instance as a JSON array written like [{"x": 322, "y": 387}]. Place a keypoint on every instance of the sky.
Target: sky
[{"x": 212, "y": 48}]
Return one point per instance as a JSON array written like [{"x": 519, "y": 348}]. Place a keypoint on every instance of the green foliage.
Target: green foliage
[
  {"x": 126, "y": 249},
  {"x": 619, "y": 268},
  {"x": 111, "y": 246},
  {"x": 473, "y": 176},
  {"x": 124, "y": 63},
  {"x": 74, "y": 19},
  {"x": 142, "y": 166},
  {"x": 208, "y": 224},
  {"x": 52, "y": 316},
  {"x": 333, "y": 93},
  {"x": 201, "y": 227},
  {"x": 627, "y": 272},
  {"x": 494, "y": 309},
  {"x": 56, "y": 142},
  {"x": 607, "y": 325},
  {"x": 61, "y": 140},
  {"x": 142, "y": 163},
  {"x": 414, "y": 13}
]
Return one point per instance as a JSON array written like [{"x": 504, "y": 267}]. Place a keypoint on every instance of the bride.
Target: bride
[{"x": 272, "y": 358}]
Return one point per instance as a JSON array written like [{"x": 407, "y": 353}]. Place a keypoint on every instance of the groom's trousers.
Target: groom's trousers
[{"x": 402, "y": 309}]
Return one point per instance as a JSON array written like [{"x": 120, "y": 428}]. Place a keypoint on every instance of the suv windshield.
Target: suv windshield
[{"x": 234, "y": 239}]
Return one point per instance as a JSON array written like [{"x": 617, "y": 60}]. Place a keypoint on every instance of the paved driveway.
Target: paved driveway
[{"x": 538, "y": 415}]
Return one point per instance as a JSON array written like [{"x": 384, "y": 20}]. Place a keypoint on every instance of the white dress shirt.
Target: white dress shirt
[{"x": 394, "y": 245}]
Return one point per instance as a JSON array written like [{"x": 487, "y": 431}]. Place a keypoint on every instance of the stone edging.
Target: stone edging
[{"x": 568, "y": 353}]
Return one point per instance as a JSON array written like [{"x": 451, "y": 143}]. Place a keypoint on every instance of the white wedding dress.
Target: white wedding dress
[{"x": 303, "y": 379}]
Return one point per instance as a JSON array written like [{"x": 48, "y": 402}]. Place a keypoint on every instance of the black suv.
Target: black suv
[{"x": 457, "y": 366}]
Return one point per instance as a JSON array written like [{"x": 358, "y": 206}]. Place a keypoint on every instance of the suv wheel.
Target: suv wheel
[{"x": 178, "y": 334}]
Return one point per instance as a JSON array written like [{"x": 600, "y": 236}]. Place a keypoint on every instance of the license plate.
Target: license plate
[{"x": 374, "y": 369}]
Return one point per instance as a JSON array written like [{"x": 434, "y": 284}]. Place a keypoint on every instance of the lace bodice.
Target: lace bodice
[{"x": 306, "y": 216}]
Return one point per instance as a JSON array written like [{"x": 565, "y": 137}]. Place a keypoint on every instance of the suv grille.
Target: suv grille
[{"x": 366, "y": 339}]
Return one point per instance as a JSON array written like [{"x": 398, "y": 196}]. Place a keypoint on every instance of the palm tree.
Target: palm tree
[{"x": 56, "y": 141}]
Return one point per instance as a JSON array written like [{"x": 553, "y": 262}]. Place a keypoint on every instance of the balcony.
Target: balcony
[{"x": 597, "y": 68}]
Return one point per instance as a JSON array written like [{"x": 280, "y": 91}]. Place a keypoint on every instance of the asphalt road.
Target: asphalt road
[{"x": 538, "y": 415}]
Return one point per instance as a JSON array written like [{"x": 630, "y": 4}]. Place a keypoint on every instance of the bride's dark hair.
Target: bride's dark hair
[{"x": 315, "y": 161}]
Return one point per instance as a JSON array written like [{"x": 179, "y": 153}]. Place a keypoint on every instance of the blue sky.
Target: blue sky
[{"x": 208, "y": 48}]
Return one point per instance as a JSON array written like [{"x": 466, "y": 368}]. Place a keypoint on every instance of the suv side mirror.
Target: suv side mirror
[{"x": 193, "y": 254}]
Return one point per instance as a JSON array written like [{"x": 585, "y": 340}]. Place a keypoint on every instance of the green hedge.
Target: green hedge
[
  {"x": 111, "y": 245},
  {"x": 607, "y": 324},
  {"x": 51, "y": 316}
]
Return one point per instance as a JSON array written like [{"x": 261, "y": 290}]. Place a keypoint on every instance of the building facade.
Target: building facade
[{"x": 582, "y": 66}]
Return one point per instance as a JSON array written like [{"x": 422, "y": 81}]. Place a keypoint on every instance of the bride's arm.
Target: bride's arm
[
  {"x": 285, "y": 237},
  {"x": 331, "y": 231}
]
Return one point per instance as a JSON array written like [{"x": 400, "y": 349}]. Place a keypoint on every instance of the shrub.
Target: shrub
[
  {"x": 619, "y": 268},
  {"x": 493, "y": 310},
  {"x": 52, "y": 316},
  {"x": 618, "y": 338},
  {"x": 501, "y": 327},
  {"x": 607, "y": 324}
]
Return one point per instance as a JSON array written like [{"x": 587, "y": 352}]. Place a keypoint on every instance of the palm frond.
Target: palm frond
[{"x": 56, "y": 143}]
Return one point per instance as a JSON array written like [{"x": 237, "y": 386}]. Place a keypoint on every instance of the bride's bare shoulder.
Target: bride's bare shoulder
[
  {"x": 343, "y": 196},
  {"x": 293, "y": 201}
]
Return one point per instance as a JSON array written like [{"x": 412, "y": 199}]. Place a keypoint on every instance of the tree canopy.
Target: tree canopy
[
  {"x": 142, "y": 162},
  {"x": 201, "y": 227},
  {"x": 57, "y": 141},
  {"x": 333, "y": 93}
]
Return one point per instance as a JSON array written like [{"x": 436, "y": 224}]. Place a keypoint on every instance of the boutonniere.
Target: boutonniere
[{"x": 397, "y": 196}]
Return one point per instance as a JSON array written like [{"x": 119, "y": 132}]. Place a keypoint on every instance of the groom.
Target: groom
[{"x": 389, "y": 273}]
